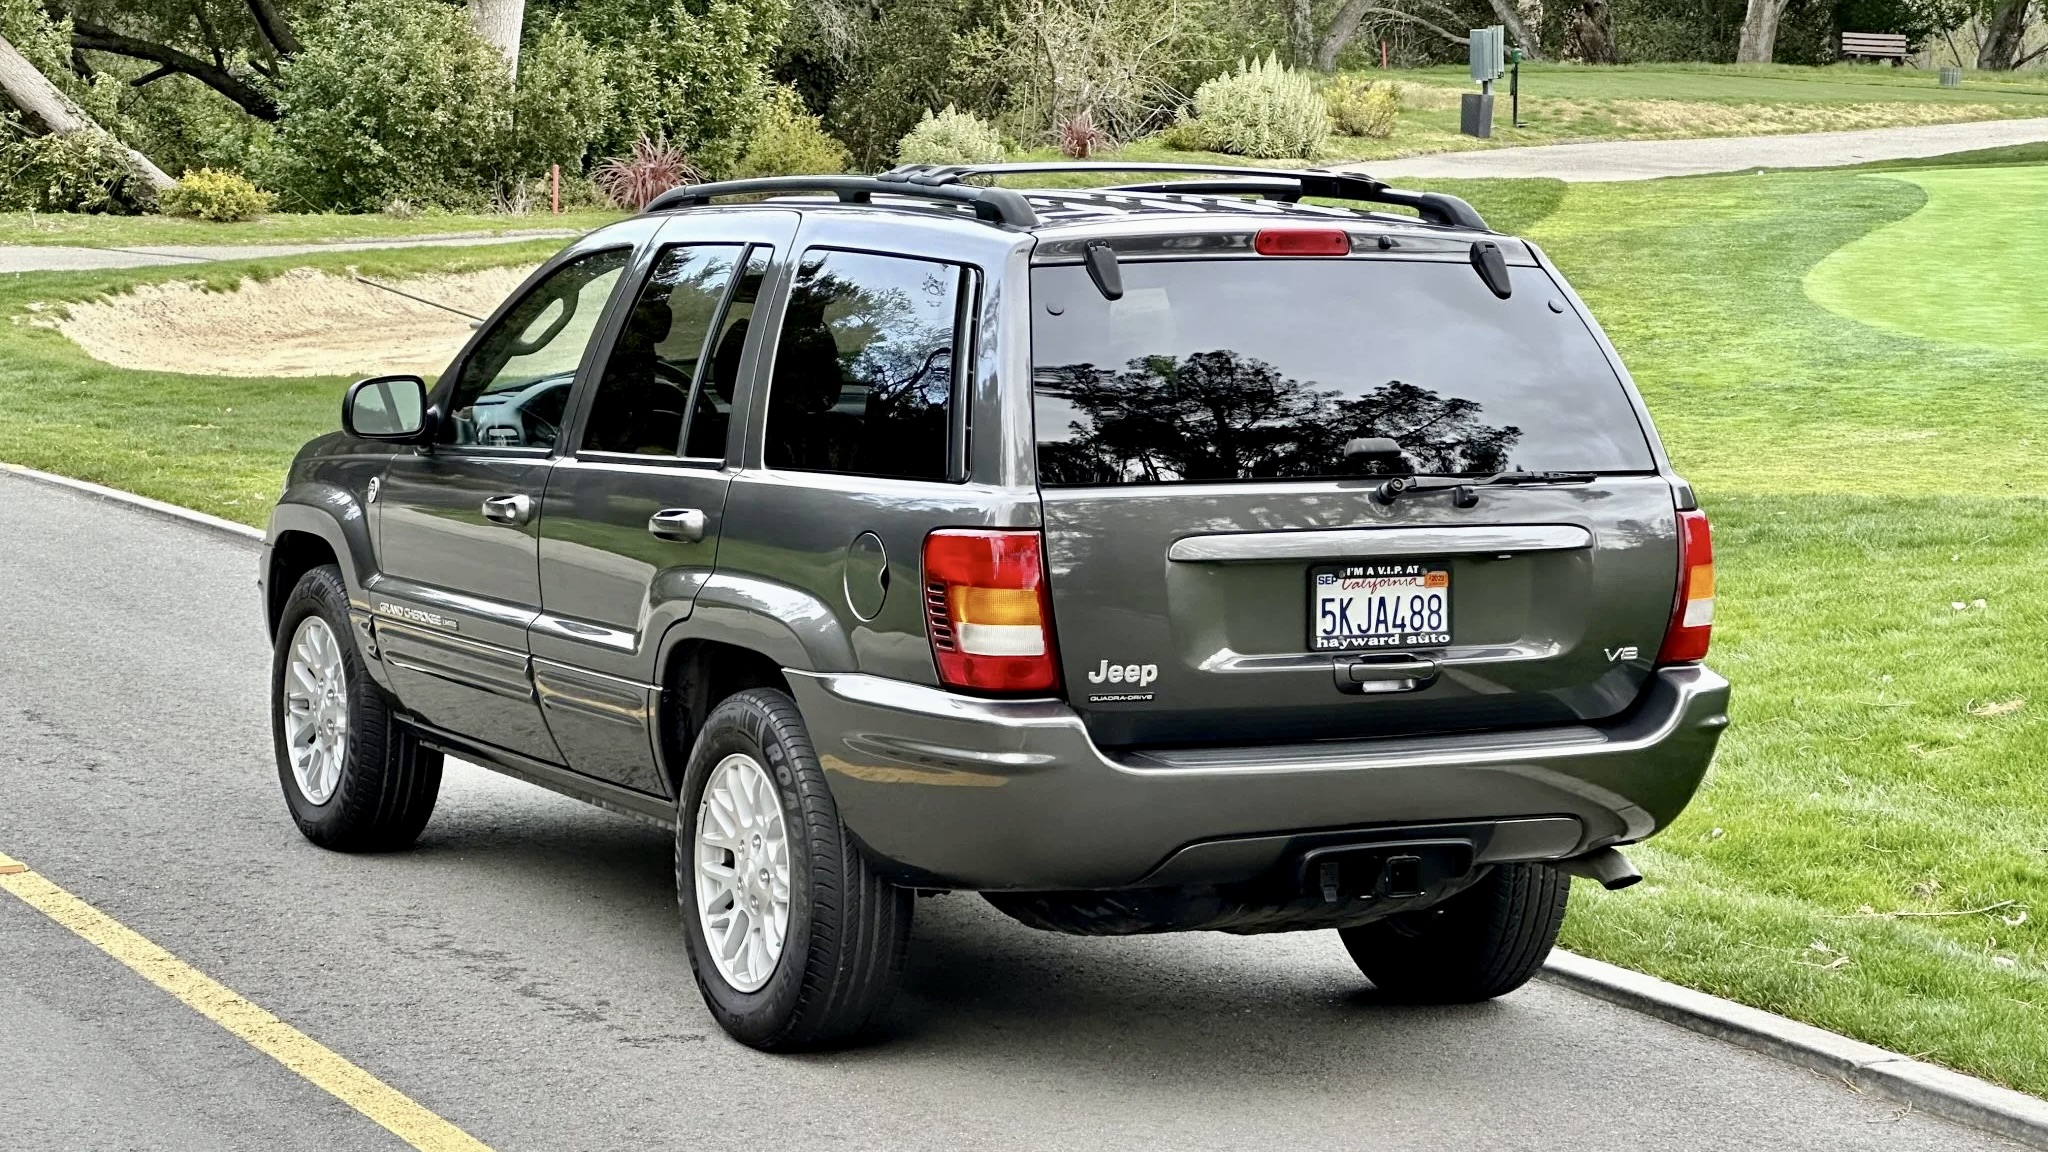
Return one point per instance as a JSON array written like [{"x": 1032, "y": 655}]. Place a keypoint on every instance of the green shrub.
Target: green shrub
[
  {"x": 951, "y": 137},
  {"x": 1188, "y": 135},
  {"x": 75, "y": 172},
  {"x": 565, "y": 103},
  {"x": 790, "y": 142},
  {"x": 1360, "y": 107},
  {"x": 1263, "y": 110},
  {"x": 390, "y": 98},
  {"x": 697, "y": 75},
  {"x": 214, "y": 195}
]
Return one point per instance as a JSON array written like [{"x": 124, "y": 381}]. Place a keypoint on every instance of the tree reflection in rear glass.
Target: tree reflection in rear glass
[{"x": 1267, "y": 369}]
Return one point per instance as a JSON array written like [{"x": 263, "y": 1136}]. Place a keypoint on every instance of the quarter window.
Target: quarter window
[
  {"x": 643, "y": 397},
  {"x": 864, "y": 367},
  {"x": 513, "y": 390}
]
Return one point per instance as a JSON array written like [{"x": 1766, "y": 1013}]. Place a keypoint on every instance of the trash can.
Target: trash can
[{"x": 1951, "y": 77}]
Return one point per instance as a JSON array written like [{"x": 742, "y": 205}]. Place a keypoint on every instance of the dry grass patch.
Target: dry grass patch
[
  {"x": 303, "y": 322},
  {"x": 1706, "y": 118}
]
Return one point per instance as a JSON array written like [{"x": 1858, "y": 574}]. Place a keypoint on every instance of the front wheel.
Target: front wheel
[
  {"x": 1484, "y": 942},
  {"x": 354, "y": 779},
  {"x": 795, "y": 941}
]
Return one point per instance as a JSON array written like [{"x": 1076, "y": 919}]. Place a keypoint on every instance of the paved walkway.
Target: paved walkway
[
  {"x": 64, "y": 258},
  {"x": 1649, "y": 159}
]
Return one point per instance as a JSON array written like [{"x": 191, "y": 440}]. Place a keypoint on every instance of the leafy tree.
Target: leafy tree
[
  {"x": 695, "y": 76},
  {"x": 1225, "y": 416},
  {"x": 565, "y": 102},
  {"x": 389, "y": 98}
]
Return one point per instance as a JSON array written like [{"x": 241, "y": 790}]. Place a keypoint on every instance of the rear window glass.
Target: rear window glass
[{"x": 1269, "y": 369}]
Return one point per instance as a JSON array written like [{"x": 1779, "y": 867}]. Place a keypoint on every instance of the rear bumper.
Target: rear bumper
[{"x": 985, "y": 794}]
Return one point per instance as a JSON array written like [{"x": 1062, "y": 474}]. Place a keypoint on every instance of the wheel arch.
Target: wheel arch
[
  {"x": 696, "y": 675},
  {"x": 311, "y": 526}
]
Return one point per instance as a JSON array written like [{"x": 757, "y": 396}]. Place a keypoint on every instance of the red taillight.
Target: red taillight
[
  {"x": 988, "y": 612},
  {"x": 1302, "y": 242},
  {"x": 1692, "y": 620}
]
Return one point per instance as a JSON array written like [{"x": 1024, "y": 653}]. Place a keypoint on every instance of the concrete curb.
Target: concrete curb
[
  {"x": 240, "y": 533},
  {"x": 1864, "y": 1067}
]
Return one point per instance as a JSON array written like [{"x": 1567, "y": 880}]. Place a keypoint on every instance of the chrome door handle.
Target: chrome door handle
[
  {"x": 683, "y": 525},
  {"x": 508, "y": 509}
]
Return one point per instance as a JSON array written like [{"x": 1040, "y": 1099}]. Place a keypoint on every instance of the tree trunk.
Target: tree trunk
[
  {"x": 1505, "y": 11},
  {"x": 1760, "y": 31},
  {"x": 33, "y": 93},
  {"x": 498, "y": 22},
  {"x": 1591, "y": 37},
  {"x": 2003, "y": 37},
  {"x": 1343, "y": 26}
]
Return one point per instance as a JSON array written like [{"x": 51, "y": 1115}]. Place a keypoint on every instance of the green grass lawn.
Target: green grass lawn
[
  {"x": 277, "y": 228},
  {"x": 1871, "y": 850},
  {"x": 220, "y": 445},
  {"x": 1563, "y": 103},
  {"x": 1881, "y": 780}
]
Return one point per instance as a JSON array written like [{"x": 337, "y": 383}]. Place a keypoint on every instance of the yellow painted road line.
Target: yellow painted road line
[{"x": 274, "y": 1038}]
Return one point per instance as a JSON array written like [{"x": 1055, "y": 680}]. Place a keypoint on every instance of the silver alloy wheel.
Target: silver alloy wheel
[
  {"x": 316, "y": 710},
  {"x": 742, "y": 872}
]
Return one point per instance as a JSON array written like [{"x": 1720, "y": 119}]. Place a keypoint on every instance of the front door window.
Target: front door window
[{"x": 513, "y": 390}]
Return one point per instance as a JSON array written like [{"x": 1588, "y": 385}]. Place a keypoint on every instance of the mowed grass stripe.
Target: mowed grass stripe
[
  {"x": 1964, "y": 269},
  {"x": 314, "y": 1061}
]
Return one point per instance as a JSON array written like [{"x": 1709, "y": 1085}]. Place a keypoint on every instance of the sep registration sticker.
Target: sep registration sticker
[{"x": 1357, "y": 607}]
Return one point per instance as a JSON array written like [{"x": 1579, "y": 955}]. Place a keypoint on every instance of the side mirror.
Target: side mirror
[{"x": 386, "y": 408}]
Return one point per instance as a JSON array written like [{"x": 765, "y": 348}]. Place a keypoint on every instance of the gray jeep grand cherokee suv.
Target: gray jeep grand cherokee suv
[{"x": 1157, "y": 557}]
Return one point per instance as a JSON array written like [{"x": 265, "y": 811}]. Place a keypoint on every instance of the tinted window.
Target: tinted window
[
  {"x": 1254, "y": 369},
  {"x": 864, "y": 367},
  {"x": 719, "y": 385},
  {"x": 514, "y": 388},
  {"x": 644, "y": 394}
]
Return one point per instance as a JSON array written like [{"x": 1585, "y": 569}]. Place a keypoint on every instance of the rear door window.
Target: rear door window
[
  {"x": 643, "y": 397},
  {"x": 1221, "y": 370}
]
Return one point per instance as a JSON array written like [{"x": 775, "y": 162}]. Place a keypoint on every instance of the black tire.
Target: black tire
[
  {"x": 849, "y": 929},
  {"x": 1484, "y": 942},
  {"x": 388, "y": 781}
]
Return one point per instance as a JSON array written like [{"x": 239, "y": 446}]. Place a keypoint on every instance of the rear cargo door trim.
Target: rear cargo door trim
[{"x": 1361, "y": 543}]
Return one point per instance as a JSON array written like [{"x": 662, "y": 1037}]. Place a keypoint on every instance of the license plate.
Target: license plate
[{"x": 1365, "y": 606}]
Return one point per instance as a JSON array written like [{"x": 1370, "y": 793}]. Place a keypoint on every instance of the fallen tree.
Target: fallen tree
[{"x": 49, "y": 108}]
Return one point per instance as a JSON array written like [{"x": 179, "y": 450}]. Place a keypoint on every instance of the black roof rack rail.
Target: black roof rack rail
[
  {"x": 1272, "y": 183},
  {"x": 996, "y": 205}
]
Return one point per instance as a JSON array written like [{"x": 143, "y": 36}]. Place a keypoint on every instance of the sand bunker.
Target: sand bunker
[{"x": 301, "y": 323}]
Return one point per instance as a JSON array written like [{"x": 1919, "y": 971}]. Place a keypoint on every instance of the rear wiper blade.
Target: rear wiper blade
[{"x": 1461, "y": 487}]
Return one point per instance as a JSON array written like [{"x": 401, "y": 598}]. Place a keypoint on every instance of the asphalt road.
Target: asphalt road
[
  {"x": 1649, "y": 159},
  {"x": 521, "y": 974}
]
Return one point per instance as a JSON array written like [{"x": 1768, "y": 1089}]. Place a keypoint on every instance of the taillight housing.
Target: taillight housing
[
  {"x": 1692, "y": 619},
  {"x": 988, "y": 611},
  {"x": 1302, "y": 242}
]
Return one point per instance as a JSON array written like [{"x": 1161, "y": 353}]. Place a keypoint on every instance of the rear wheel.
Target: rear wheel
[
  {"x": 796, "y": 942},
  {"x": 354, "y": 779},
  {"x": 1484, "y": 942}
]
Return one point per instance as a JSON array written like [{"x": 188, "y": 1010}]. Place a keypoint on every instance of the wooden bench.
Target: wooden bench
[{"x": 1875, "y": 46}]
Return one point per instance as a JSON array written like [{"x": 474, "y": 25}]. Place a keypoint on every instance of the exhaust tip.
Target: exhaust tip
[{"x": 1608, "y": 867}]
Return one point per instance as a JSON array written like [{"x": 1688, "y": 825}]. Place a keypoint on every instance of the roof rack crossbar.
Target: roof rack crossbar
[
  {"x": 1273, "y": 183},
  {"x": 995, "y": 205}
]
